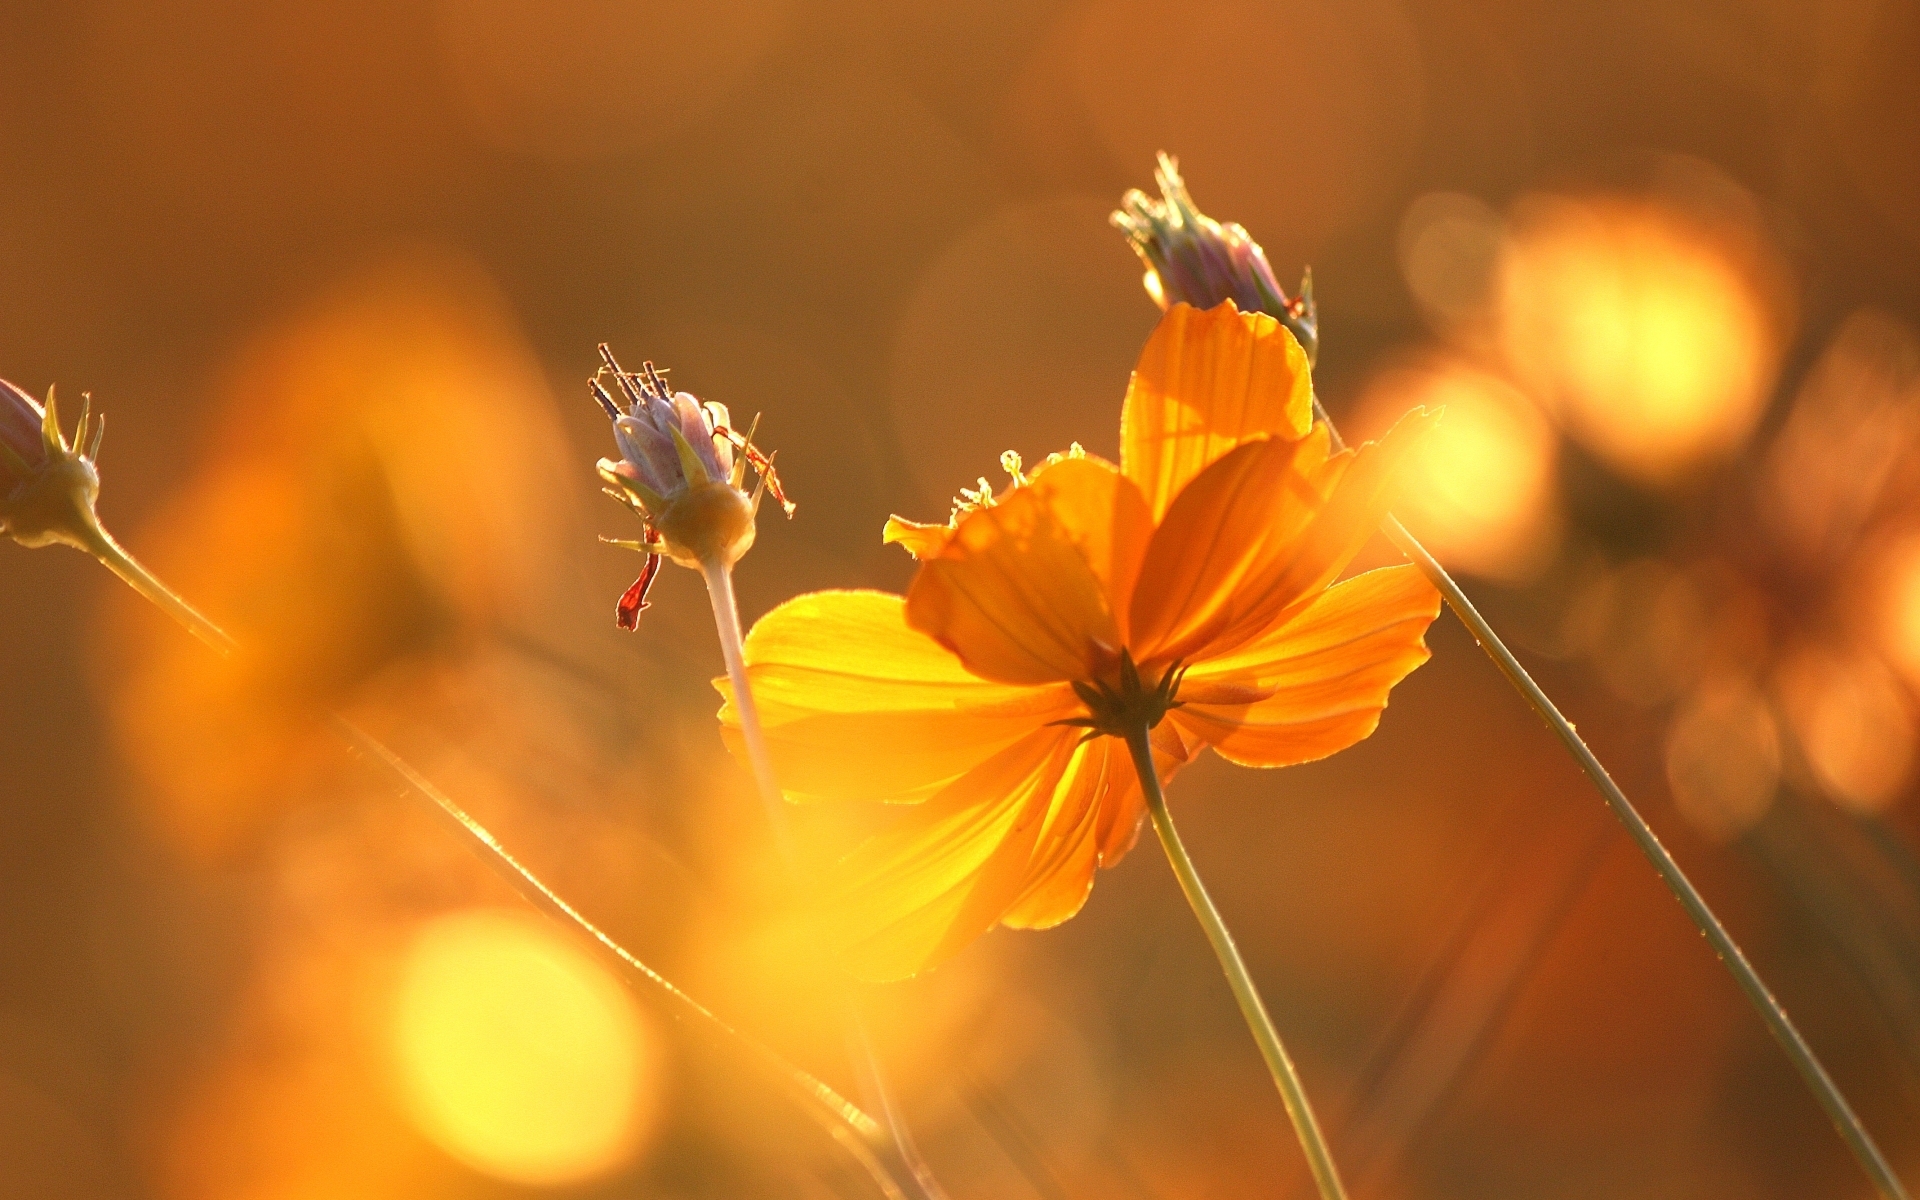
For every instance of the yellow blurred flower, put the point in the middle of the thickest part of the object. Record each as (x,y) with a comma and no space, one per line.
(1190,588)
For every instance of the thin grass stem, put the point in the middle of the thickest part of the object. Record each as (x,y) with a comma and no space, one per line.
(1292,1092)
(1781,1026)
(847,1124)
(1771,1012)
(857,1133)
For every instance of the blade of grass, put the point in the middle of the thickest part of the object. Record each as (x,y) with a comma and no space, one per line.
(1781,1026)
(858,1134)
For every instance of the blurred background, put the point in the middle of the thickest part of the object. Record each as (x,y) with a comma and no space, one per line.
(336,272)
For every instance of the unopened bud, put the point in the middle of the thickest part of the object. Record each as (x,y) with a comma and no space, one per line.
(683,469)
(48,485)
(1193,259)
(21,452)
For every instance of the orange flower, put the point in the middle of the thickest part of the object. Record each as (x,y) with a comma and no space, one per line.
(1190,588)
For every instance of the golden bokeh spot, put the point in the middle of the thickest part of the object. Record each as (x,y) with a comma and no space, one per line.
(1898,569)
(1479,489)
(1650,334)
(1854,725)
(519,1055)
(1723,758)
(1449,246)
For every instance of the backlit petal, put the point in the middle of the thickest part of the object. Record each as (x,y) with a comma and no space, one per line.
(1327,672)
(1206,382)
(1228,524)
(1067,851)
(857,705)
(1024,591)
(948,870)
(1249,590)
(921,541)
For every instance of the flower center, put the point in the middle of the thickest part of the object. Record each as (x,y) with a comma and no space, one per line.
(1128,706)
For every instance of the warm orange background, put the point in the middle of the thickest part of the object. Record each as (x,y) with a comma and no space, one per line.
(336,273)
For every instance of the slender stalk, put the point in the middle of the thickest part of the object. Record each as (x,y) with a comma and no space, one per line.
(115,558)
(1778,1023)
(866,1063)
(726,622)
(1292,1091)
(852,1129)
(845,1123)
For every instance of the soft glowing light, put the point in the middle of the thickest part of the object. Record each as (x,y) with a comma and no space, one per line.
(1899,571)
(1723,758)
(1854,725)
(1856,416)
(519,1055)
(1479,490)
(1647,333)
(1449,245)
(1646,626)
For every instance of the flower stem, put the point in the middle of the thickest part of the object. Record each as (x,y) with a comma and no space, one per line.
(1778,1023)
(853,1130)
(866,1063)
(726,622)
(1292,1092)
(115,558)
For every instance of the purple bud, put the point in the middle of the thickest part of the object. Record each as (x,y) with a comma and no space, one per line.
(20,419)
(1193,259)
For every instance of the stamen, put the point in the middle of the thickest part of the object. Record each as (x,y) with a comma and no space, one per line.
(1010,463)
(621,379)
(606,401)
(656,380)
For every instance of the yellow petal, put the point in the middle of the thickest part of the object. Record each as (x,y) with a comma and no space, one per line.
(1235,517)
(1307,523)
(1327,672)
(1206,382)
(857,705)
(921,541)
(949,869)
(1067,850)
(1024,591)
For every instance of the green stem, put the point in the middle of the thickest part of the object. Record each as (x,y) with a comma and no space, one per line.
(1778,1023)
(866,1063)
(1292,1092)
(853,1130)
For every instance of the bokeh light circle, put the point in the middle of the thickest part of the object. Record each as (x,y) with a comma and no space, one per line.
(1019,336)
(1647,332)
(1479,489)
(1723,758)
(518,1054)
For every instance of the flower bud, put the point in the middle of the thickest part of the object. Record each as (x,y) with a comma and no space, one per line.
(48,485)
(21,452)
(1192,258)
(683,470)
